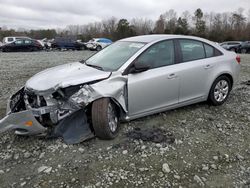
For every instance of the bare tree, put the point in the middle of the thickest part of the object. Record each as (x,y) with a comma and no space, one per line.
(160,25)
(109,27)
(142,26)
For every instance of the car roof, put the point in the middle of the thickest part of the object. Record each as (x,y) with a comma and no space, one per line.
(17,37)
(233,41)
(158,37)
(102,39)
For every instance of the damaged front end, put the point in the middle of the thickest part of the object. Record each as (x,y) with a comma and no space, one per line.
(61,113)
(32,114)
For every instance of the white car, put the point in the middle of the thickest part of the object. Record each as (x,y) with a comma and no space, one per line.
(98,43)
(7,40)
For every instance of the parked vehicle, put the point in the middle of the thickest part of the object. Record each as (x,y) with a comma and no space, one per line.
(67,43)
(245,47)
(22,45)
(98,43)
(231,45)
(132,78)
(7,40)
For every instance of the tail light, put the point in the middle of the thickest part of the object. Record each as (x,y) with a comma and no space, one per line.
(238,59)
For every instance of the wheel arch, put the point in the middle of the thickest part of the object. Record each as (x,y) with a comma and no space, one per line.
(227,74)
(119,106)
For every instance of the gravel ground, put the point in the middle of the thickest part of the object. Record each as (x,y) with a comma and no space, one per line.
(211,145)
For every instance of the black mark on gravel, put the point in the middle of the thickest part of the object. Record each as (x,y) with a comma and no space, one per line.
(246,82)
(156,135)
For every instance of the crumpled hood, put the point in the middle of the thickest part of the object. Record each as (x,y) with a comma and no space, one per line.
(63,76)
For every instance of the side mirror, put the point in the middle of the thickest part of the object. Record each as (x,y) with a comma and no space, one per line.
(139,67)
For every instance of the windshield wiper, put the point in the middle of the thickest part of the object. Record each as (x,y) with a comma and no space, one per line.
(94,66)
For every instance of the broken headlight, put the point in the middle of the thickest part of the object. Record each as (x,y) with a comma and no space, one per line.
(83,96)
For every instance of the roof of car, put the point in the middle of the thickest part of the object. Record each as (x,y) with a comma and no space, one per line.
(156,37)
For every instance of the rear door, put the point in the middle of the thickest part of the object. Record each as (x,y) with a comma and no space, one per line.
(18,46)
(194,69)
(157,87)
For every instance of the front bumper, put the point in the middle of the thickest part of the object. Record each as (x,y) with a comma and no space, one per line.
(24,123)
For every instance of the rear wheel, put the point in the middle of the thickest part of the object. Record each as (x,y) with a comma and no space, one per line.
(98,48)
(220,90)
(243,51)
(105,119)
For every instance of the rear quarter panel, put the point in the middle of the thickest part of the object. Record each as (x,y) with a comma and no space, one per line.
(224,64)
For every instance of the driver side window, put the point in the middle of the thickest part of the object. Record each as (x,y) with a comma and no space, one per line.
(158,55)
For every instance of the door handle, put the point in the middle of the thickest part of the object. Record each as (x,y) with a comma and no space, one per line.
(208,66)
(171,76)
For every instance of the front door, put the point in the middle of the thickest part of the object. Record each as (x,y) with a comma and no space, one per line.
(157,87)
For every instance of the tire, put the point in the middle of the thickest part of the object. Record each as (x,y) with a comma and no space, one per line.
(98,48)
(5,50)
(105,119)
(243,51)
(220,90)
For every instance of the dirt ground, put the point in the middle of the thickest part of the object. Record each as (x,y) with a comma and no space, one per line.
(211,145)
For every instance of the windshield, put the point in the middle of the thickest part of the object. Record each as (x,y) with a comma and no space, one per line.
(114,56)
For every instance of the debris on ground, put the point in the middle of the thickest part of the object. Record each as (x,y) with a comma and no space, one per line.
(155,135)
(246,82)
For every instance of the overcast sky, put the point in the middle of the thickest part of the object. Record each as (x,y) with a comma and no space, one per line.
(59,13)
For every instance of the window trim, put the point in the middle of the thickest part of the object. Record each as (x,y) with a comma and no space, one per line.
(203,44)
(176,58)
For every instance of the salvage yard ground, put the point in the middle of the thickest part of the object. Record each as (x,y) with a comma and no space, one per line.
(210,148)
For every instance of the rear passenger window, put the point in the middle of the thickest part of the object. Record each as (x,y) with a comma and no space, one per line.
(19,42)
(27,42)
(209,50)
(191,50)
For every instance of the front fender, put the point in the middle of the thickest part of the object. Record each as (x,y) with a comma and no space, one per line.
(114,88)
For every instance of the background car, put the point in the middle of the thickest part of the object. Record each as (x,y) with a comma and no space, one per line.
(231,45)
(67,43)
(98,43)
(245,47)
(7,40)
(22,45)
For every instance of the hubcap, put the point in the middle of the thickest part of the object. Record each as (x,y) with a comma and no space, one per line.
(221,90)
(113,120)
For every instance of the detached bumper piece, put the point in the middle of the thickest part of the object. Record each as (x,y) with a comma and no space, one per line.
(74,128)
(24,123)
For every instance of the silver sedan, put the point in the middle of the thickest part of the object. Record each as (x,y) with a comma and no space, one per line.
(132,78)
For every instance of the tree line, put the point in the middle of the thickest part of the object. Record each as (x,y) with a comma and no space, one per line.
(213,26)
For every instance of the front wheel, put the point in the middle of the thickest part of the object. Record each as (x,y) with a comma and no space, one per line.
(220,90)
(105,119)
